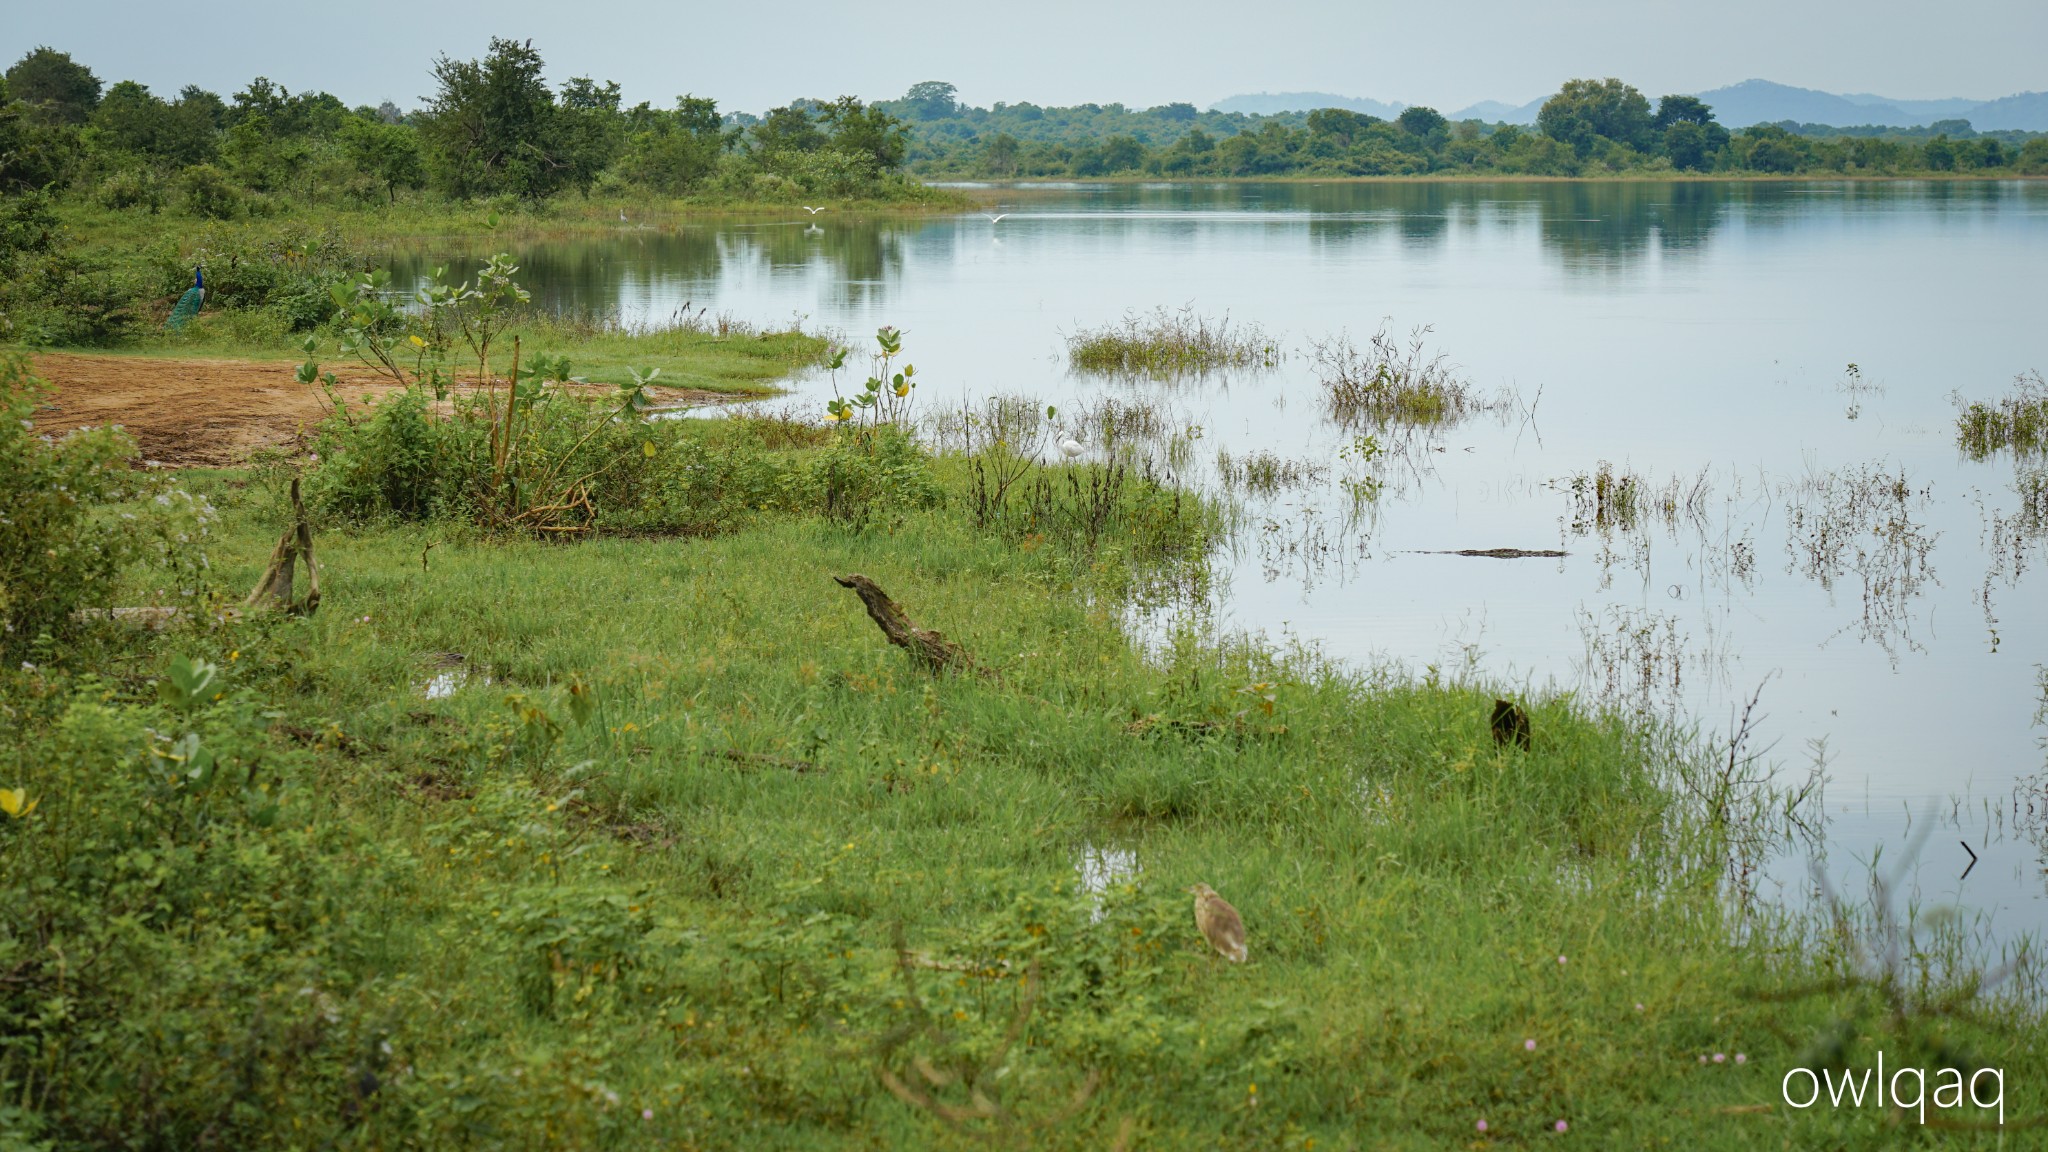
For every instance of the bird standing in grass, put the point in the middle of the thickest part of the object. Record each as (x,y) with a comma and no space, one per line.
(1219,922)
(1071,447)
(188,304)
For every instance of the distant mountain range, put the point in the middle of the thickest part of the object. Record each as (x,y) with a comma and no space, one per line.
(1737,106)
(1268,103)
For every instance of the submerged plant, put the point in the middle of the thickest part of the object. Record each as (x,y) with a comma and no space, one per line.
(2018,421)
(1387,381)
(1167,343)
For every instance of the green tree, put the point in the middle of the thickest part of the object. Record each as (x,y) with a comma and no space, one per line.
(131,119)
(33,153)
(1584,112)
(60,89)
(1681,110)
(1939,154)
(1689,134)
(787,129)
(387,153)
(1421,121)
(1769,148)
(673,152)
(1691,146)
(999,155)
(589,129)
(1339,124)
(490,127)
(932,100)
(862,130)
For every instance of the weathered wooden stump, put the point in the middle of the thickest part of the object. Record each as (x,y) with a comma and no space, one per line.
(1510,724)
(275,588)
(929,645)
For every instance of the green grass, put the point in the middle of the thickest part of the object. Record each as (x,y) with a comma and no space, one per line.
(655,852)
(1167,343)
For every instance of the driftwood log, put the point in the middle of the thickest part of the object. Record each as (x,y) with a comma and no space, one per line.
(275,588)
(930,646)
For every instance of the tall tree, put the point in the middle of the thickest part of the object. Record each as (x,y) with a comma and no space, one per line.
(1681,110)
(589,129)
(932,100)
(490,127)
(60,89)
(1421,121)
(1584,112)
(866,131)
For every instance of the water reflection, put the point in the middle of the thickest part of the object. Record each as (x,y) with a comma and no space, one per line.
(1592,230)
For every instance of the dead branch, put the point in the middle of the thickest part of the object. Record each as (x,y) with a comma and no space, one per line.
(930,646)
(275,588)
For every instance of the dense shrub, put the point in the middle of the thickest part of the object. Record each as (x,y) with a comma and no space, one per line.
(403,459)
(286,272)
(211,193)
(56,554)
(131,188)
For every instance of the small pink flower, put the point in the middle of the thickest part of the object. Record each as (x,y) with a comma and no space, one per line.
(1561,1126)
(1703,1057)
(1719,1058)
(1481,1125)
(647,1113)
(1639,1007)
(1529,1045)
(1560,959)
(1741,1059)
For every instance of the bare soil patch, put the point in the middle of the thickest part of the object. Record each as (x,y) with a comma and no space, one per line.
(211,413)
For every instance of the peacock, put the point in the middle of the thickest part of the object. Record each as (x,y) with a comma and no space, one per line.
(188,304)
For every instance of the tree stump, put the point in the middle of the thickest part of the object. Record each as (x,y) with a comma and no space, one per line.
(275,588)
(930,646)
(1510,725)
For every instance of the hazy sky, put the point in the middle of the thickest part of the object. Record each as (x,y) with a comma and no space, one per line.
(752,56)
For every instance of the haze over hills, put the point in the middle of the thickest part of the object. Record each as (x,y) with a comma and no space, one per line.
(1736,105)
(1268,103)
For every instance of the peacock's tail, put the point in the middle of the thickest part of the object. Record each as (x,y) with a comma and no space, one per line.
(187,308)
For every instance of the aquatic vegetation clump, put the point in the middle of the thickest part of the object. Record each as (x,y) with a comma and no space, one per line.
(1262,473)
(2018,421)
(1605,499)
(1167,343)
(1862,520)
(1387,381)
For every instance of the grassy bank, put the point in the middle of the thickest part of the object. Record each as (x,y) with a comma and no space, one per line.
(654,842)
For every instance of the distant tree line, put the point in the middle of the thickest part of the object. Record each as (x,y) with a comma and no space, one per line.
(492,129)
(1589,128)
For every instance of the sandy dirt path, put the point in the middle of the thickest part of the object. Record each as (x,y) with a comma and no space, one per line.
(212,413)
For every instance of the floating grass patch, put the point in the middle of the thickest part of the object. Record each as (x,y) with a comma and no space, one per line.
(1167,342)
(2017,421)
(1388,381)
(1609,498)
(1263,473)
(1864,521)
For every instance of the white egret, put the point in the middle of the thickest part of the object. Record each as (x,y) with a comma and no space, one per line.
(811,210)
(1071,447)
(622,217)
(997,219)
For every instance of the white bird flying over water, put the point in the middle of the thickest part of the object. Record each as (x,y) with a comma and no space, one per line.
(1071,447)
(995,219)
(811,210)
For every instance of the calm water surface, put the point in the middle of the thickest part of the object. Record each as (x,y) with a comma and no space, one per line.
(1680,332)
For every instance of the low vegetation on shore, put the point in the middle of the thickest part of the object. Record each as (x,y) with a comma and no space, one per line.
(586,806)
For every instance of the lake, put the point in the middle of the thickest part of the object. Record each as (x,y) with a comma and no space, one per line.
(1803,531)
